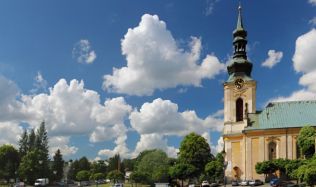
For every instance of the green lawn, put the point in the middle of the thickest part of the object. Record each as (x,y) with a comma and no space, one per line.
(125,185)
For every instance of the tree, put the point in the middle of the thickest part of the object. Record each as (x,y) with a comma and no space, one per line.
(98,167)
(9,161)
(23,144)
(155,165)
(115,163)
(83,175)
(41,144)
(115,176)
(291,167)
(181,171)
(30,168)
(265,167)
(214,169)
(58,165)
(194,150)
(98,176)
(307,171)
(73,170)
(84,164)
(31,140)
(138,177)
(306,141)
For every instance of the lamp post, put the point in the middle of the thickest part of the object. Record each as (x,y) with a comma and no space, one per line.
(55,177)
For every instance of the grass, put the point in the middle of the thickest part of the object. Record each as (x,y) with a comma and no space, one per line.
(125,185)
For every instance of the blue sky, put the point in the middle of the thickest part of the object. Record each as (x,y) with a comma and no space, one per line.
(120,76)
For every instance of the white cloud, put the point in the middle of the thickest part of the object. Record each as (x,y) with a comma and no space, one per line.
(72,109)
(40,83)
(121,148)
(210,6)
(274,58)
(312,21)
(159,119)
(10,133)
(219,147)
(299,95)
(83,52)
(304,60)
(154,141)
(61,143)
(163,117)
(313,2)
(154,61)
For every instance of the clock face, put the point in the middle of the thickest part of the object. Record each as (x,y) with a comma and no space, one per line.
(239,83)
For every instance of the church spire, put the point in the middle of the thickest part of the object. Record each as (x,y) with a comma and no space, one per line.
(239,64)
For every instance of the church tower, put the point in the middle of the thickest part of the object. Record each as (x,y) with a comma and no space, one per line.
(240,88)
(239,100)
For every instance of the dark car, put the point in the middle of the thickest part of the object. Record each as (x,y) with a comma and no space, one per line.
(275,182)
(235,183)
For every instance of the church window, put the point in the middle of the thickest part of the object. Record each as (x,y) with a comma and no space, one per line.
(239,109)
(272,150)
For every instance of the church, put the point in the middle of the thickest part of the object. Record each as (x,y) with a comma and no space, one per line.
(252,136)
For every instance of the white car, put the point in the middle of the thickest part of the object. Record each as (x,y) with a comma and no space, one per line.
(205,183)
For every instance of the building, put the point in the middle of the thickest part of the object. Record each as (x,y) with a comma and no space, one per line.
(252,136)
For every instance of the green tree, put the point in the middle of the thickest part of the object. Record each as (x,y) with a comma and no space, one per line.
(98,176)
(129,164)
(214,169)
(41,144)
(265,167)
(73,170)
(181,171)
(115,163)
(30,168)
(98,167)
(155,165)
(115,176)
(306,141)
(23,144)
(84,164)
(194,150)
(31,140)
(292,166)
(58,165)
(139,177)
(83,175)
(9,161)
(307,171)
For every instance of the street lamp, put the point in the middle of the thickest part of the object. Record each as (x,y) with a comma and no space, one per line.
(55,177)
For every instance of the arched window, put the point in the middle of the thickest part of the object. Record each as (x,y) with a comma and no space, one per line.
(239,109)
(272,150)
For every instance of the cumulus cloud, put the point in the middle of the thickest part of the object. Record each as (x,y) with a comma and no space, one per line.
(312,21)
(274,58)
(61,143)
(159,119)
(299,95)
(120,148)
(313,2)
(155,61)
(72,109)
(218,147)
(304,59)
(67,109)
(163,117)
(83,53)
(154,141)
(10,133)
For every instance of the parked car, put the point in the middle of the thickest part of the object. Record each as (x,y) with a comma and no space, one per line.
(244,183)
(213,184)
(235,183)
(255,182)
(205,184)
(275,182)
(118,185)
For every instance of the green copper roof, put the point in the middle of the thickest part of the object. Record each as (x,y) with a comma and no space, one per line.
(283,115)
(233,76)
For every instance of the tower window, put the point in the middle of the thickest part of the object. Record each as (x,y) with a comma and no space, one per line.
(239,109)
